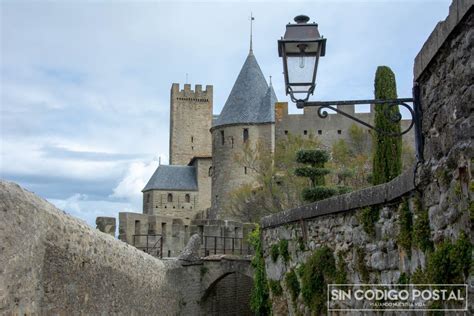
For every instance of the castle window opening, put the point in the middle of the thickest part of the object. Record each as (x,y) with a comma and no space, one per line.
(245,170)
(148,197)
(137,227)
(339,131)
(320,132)
(170,197)
(209,173)
(286,132)
(187,198)
(163,230)
(305,132)
(245,135)
(192,139)
(222,138)
(232,142)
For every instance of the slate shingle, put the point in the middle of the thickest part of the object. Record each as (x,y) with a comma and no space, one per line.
(181,178)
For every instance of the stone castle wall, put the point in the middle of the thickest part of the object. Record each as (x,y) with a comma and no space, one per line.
(328,130)
(204,180)
(438,197)
(176,232)
(228,173)
(190,122)
(155,202)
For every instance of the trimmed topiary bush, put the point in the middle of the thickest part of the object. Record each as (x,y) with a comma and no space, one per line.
(315,172)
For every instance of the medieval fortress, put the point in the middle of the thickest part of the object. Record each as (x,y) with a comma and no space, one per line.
(190,195)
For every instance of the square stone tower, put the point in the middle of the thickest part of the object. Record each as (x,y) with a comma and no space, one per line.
(190,123)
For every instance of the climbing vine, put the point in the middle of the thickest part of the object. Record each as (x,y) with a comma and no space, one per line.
(406,226)
(293,285)
(260,296)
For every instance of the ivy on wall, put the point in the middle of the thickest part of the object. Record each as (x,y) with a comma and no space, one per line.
(260,296)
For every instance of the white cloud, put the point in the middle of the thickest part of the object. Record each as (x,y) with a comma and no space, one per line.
(134,181)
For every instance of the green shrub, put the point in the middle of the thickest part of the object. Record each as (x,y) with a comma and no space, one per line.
(341,274)
(368,216)
(404,278)
(406,226)
(275,287)
(310,172)
(318,271)
(317,193)
(274,252)
(292,284)
(283,248)
(422,232)
(309,156)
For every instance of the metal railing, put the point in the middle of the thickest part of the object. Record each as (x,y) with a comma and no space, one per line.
(213,245)
(153,244)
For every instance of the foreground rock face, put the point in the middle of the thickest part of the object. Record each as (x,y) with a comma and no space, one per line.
(52,263)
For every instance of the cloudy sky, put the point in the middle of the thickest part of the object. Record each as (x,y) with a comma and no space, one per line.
(85,84)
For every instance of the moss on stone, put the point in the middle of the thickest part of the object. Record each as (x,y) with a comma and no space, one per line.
(368,216)
(405,219)
(422,232)
(449,263)
(301,244)
(275,287)
(274,252)
(203,271)
(361,267)
(293,285)
(283,249)
(318,272)
(404,278)
(341,273)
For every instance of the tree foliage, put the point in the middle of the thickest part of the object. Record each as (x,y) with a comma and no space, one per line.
(387,159)
(315,172)
(276,187)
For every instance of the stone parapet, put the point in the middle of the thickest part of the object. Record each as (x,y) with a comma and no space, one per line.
(342,203)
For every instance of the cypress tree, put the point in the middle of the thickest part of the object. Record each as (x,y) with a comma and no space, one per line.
(315,172)
(387,159)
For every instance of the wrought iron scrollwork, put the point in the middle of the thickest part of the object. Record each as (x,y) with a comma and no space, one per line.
(393,116)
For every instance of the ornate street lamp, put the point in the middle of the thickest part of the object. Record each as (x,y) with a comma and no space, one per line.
(300,49)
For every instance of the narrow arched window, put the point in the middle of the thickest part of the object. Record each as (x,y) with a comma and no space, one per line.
(209,173)
(222,138)
(170,197)
(245,135)
(187,198)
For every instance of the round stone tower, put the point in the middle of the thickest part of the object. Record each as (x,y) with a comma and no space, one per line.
(246,120)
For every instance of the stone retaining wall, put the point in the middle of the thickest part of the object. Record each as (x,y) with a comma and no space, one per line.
(393,233)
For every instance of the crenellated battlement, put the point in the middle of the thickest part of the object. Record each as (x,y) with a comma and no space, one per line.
(188,94)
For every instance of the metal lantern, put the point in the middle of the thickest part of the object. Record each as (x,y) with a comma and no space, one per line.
(300,49)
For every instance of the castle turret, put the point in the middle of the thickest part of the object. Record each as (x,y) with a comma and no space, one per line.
(190,122)
(247,119)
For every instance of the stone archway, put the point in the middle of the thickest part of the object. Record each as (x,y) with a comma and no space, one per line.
(228,295)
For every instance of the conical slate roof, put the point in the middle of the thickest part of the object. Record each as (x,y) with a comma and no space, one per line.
(251,99)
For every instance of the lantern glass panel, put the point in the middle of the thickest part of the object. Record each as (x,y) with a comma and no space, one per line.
(301,72)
